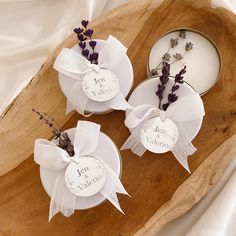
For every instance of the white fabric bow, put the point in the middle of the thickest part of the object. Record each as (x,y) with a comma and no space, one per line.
(74,65)
(185,109)
(48,155)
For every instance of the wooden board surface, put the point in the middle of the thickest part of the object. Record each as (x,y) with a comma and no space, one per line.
(150,180)
(193,188)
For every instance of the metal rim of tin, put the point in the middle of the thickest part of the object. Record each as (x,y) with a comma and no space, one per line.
(157,76)
(202,34)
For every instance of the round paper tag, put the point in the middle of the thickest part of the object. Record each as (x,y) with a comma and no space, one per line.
(159,136)
(100,86)
(86,177)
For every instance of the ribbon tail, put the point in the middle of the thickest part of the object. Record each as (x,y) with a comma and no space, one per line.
(77,100)
(62,200)
(183,148)
(133,143)
(119,103)
(112,186)
(112,197)
(135,146)
(181,154)
(69,107)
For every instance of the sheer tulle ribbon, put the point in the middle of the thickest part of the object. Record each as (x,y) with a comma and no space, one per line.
(48,155)
(185,109)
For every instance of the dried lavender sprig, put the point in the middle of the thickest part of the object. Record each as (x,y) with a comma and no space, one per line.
(172,97)
(83,34)
(188,46)
(177,57)
(163,79)
(64,141)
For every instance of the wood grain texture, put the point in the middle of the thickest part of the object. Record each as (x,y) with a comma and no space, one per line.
(151,181)
(193,188)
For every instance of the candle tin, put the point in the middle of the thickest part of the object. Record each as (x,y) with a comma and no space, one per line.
(145,93)
(124,73)
(203,68)
(107,151)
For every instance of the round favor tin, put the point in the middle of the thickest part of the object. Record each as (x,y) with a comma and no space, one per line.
(145,93)
(106,150)
(203,62)
(124,73)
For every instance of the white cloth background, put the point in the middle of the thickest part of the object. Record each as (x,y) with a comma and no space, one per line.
(30,30)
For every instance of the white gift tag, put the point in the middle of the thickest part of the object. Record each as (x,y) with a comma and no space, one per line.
(86,177)
(159,136)
(100,86)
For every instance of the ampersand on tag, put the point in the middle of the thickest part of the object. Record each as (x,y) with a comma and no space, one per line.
(159,135)
(85,177)
(100,86)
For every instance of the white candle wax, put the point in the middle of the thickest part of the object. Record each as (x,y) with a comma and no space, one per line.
(202,62)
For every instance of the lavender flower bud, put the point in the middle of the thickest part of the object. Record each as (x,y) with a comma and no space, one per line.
(165,106)
(166,57)
(188,46)
(95,56)
(92,44)
(88,33)
(178,57)
(84,23)
(182,34)
(82,45)
(174,88)
(173,42)
(154,72)
(85,52)
(172,97)
(78,30)
(91,58)
(81,37)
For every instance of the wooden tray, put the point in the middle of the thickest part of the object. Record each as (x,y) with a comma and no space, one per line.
(151,181)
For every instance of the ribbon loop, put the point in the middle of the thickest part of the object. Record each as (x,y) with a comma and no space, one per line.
(71,63)
(111,54)
(185,109)
(49,155)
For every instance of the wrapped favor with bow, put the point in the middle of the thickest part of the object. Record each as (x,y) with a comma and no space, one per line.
(160,131)
(94,83)
(83,175)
